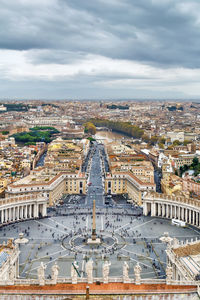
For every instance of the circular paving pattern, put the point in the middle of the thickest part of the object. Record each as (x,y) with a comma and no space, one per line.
(109,243)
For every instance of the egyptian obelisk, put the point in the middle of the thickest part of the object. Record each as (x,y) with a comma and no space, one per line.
(94,235)
(94,240)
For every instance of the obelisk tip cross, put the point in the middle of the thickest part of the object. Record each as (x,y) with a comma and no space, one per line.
(94,235)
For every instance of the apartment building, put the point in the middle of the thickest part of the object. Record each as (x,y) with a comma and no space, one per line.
(182,159)
(171,184)
(189,185)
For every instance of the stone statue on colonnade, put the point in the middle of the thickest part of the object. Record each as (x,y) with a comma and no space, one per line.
(41,274)
(54,273)
(169,274)
(74,272)
(105,271)
(89,271)
(125,272)
(137,272)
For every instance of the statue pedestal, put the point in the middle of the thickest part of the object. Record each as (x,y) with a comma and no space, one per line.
(90,241)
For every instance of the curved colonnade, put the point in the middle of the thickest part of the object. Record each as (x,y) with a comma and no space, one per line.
(164,206)
(18,208)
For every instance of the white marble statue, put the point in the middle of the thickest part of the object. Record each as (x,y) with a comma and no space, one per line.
(89,271)
(74,274)
(105,271)
(175,242)
(12,273)
(169,274)
(54,273)
(41,274)
(125,272)
(137,271)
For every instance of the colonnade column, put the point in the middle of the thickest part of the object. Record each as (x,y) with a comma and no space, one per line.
(163,210)
(144,209)
(183,214)
(171,212)
(196,218)
(175,215)
(153,209)
(25,211)
(186,215)
(2,216)
(190,216)
(159,209)
(30,211)
(9,214)
(44,210)
(5,215)
(178,212)
(35,211)
(193,217)
(167,210)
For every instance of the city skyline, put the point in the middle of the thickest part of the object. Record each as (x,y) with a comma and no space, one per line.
(120,49)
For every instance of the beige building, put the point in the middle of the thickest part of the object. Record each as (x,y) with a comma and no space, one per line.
(3,184)
(182,159)
(181,136)
(127,182)
(171,184)
(65,155)
(189,185)
(54,185)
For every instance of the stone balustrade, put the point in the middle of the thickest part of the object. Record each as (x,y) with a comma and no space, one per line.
(22,281)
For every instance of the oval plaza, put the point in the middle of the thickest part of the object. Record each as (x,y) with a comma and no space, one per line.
(131,241)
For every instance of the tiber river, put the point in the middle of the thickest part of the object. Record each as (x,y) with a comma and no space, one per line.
(109,135)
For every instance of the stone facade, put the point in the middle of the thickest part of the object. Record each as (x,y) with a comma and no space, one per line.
(181,208)
(18,208)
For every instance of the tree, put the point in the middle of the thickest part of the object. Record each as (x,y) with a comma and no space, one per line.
(186,142)
(5,132)
(153,140)
(195,161)
(176,143)
(163,140)
(181,171)
(118,126)
(90,128)
(161,146)
(145,138)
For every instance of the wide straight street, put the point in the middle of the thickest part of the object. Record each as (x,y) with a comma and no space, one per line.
(95,186)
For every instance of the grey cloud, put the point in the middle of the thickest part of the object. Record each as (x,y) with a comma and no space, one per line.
(155,32)
(54,56)
(37,89)
(146,31)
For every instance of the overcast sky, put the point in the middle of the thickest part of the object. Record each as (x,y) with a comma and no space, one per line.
(99,49)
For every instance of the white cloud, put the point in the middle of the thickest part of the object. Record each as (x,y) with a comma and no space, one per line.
(16,66)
